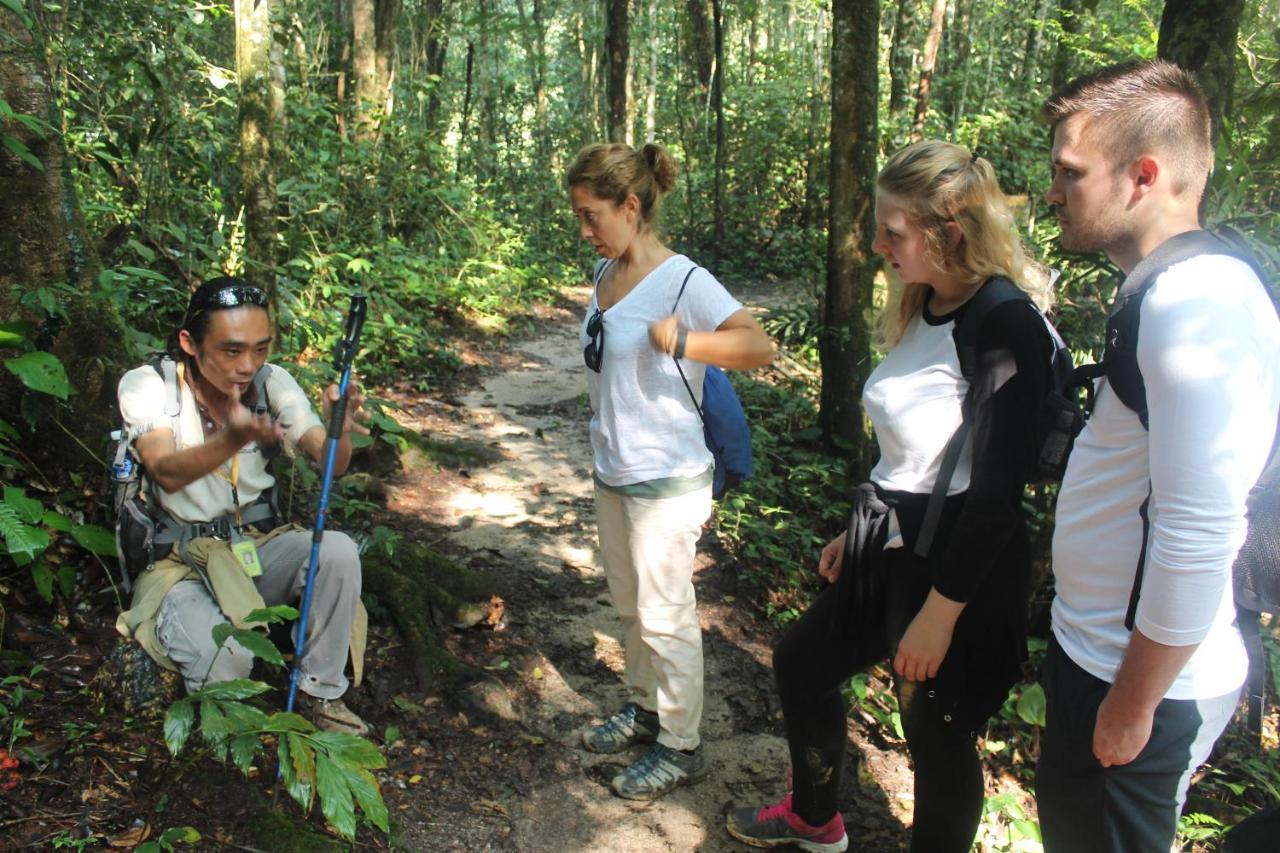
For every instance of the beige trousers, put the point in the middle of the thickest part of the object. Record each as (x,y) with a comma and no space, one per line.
(647,547)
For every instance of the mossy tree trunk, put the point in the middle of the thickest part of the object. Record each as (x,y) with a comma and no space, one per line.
(258,109)
(1200,36)
(844,346)
(43,244)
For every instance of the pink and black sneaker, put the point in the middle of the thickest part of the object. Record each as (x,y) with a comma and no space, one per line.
(776,825)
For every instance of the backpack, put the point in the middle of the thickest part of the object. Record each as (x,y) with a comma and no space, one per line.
(724,424)
(1060,418)
(144,532)
(1256,572)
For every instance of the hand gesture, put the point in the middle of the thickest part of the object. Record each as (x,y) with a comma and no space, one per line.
(663,334)
(832,556)
(244,426)
(355,414)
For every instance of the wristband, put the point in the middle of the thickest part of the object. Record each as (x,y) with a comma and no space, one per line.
(681,336)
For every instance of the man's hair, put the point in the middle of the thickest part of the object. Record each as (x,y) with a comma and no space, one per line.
(1141,107)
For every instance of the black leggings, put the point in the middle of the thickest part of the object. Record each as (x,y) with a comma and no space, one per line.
(814,660)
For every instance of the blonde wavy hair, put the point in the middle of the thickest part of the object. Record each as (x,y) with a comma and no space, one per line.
(940,182)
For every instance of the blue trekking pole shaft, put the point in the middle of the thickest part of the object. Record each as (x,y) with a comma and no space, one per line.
(344,354)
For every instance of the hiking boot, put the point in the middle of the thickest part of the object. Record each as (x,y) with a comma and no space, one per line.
(776,825)
(660,770)
(331,715)
(628,727)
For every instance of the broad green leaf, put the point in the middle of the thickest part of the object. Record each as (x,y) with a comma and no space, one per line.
(260,645)
(215,728)
(356,750)
(301,775)
(335,796)
(244,748)
(22,152)
(42,575)
(365,790)
(221,632)
(244,717)
(358,265)
(1031,705)
(272,615)
(28,509)
(14,334)
(7,431)
(180,835)
(94,538)
(58,522)
(66,580)
(21,541)
(141,272)
(14,6)
(178,721)
(287,721)
(236,688)
(42,372)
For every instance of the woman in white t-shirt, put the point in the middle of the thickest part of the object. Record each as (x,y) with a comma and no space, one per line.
(653,472)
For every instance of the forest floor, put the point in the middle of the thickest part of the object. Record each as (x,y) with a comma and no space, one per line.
(492,762)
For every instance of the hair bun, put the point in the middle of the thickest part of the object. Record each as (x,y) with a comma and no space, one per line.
(661,164)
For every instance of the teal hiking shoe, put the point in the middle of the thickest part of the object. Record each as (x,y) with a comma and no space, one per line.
(660,770)
(628,727)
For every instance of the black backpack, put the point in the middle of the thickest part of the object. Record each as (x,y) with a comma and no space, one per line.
(1059,420)
(144,532)
(1256,572)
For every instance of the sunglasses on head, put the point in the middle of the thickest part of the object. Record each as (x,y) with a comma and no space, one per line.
(231,296)
(593,353)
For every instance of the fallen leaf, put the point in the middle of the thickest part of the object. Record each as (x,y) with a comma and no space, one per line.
(131,837)
(537,673)
(415,779)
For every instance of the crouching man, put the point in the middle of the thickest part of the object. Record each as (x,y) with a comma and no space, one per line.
(204,423)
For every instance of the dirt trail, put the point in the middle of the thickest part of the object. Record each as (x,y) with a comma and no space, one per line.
(529,521)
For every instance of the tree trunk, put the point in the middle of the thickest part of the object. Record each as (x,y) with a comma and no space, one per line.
(931,42)
(1035,37)
(436,44)
(651,82)
(1069,12)
(466,102)
(617,52)
(844,346)
(364,68)
(901,56)
(43,244)
(1200,36)
(257,175)
(342,65)
(386,22)
(700,47)
(717,105)
(812,212)
(963,49)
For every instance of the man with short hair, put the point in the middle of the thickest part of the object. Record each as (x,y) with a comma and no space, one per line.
(1132,713)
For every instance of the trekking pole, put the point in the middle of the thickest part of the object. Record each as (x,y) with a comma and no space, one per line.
(344,352)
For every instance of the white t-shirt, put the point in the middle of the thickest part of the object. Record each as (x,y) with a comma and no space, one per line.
(141,394)
(1209,352)
(643,425)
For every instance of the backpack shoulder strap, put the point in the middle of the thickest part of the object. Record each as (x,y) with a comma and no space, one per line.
(1120,357)
(996,291)
(683,285)
(692,398)
(598,273)
(164,364)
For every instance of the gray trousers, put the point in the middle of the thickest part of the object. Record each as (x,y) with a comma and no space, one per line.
(184,624)
(1129,808)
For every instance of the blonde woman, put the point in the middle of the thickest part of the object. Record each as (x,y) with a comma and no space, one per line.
(653,472)
(951,622)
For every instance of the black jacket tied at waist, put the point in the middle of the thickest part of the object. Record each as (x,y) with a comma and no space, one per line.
(862,569)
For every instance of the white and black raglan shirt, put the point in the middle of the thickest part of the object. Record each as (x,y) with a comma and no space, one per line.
(1209,352)
(914,398)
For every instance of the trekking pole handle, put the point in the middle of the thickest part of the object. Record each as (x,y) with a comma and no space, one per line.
(344,353)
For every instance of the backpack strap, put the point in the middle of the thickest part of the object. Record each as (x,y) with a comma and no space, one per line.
(996,291)
(679,369)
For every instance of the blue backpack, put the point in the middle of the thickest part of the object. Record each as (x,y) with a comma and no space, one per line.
(724,425)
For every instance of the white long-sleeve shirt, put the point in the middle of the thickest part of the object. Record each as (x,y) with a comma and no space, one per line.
(1209,352)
